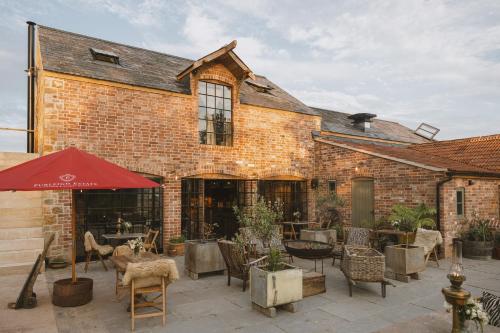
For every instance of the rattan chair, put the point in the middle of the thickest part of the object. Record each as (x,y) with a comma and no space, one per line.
(237,261)
(359,237)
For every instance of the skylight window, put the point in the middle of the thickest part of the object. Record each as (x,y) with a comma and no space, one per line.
(427,131)
(104,56)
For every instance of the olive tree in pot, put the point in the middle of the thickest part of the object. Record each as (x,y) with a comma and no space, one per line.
(203,255)
(328,226)
(478,239)
(406,259)
(275,284)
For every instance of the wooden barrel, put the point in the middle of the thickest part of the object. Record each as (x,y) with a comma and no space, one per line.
(69,294)
(477,250)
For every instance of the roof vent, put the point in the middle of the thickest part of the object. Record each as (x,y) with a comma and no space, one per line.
(427,131)
(362,120)
(104,56)
(260,87)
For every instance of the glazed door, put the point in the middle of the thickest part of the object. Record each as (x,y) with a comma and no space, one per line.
(362,202)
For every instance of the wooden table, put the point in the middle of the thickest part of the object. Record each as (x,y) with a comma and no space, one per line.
(293,233)
(121,262)
(126,236)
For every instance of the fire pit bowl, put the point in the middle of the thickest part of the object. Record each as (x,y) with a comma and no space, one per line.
(306,249)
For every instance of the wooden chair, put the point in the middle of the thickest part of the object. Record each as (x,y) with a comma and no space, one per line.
(429,240)
(146,278)
(237,261)
(91,247)
(121,250)
(359,237)
(150,242)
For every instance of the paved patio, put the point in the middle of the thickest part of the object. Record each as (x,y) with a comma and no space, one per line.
(208,305)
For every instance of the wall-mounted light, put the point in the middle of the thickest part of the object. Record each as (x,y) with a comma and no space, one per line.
(471,182)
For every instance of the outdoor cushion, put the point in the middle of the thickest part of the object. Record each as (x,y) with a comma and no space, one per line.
(90,244)
(491,304)
(149,273)
(427,239)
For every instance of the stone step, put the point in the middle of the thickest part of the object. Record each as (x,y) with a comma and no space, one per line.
(20,233)
(21,244)
(17,257)
(20,222)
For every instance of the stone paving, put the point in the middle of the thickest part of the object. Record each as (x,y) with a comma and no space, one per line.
(209,305)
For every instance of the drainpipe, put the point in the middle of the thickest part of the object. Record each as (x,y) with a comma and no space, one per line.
(438,204)
(30,145)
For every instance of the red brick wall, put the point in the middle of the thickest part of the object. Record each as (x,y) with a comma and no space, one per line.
(156,132)
(394,182)
(482,196)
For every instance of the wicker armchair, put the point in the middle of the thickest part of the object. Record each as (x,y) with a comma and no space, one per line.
(359,237)
(237,261)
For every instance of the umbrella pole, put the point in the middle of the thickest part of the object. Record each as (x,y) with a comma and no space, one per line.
(73,236)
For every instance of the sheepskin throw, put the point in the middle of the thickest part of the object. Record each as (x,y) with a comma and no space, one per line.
(149,273)
(90,244)
(122,250)
(427,239)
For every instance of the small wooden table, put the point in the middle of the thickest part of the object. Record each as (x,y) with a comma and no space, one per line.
(132,235)
(121,262)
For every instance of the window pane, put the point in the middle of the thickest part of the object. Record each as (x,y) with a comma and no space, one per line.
(227,104)
(202,100)
(219,104)
(218,90)
(202,112)
(227,92)
(459,196)
(210,89)
(202,125)
(202,87)
(227,114)
(210,113)
(203,137)
(211,101)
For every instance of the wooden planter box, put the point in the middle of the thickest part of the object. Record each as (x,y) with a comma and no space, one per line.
(404,261)
(313,283)
(271,289)
(202,257)
(319,235)
(477,249)
(175,249)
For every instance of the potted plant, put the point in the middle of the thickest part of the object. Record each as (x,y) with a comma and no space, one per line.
(328,224)
(203,255)
(275,284)
(405,259)
(478,239)
(496,250)
(175,246)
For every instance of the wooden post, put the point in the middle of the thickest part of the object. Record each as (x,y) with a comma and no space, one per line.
(73,236)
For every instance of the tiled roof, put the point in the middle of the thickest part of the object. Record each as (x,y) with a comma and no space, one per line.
(481,151)
(69,53)
(334,121)
(410,155)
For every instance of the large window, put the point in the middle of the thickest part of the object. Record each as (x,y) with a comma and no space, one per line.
(214,114)
(460,201)
(293,194)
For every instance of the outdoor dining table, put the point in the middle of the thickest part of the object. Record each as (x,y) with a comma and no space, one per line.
(295,228)
(121,238)
(121,262)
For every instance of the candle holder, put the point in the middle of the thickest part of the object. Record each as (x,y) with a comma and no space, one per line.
(455,294)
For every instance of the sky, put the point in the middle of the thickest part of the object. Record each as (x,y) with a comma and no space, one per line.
(408,61)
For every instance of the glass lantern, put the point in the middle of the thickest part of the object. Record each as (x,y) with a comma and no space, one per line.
(456,273)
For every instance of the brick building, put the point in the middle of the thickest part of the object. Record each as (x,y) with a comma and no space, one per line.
(216,135)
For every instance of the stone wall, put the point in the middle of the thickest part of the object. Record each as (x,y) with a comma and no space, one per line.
(481,196)
(156,132)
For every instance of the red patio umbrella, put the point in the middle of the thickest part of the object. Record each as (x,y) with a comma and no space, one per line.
(70,169)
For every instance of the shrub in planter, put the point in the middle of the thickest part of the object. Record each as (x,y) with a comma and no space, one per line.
(176,246)
(275,284)
(203,255)
(478,240)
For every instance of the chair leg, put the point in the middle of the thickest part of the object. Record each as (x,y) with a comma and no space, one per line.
(228,276)
(102,262)
(132,305)
(163,291)
(350,288)
(87,261)
(333,261)
(436,256)
(244,285)
(383,289)
(156,249)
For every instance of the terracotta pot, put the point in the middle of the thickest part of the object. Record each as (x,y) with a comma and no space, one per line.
(175,249)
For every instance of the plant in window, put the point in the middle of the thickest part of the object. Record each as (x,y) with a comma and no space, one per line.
(328,212)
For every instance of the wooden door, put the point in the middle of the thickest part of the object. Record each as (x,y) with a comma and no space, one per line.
(362,202)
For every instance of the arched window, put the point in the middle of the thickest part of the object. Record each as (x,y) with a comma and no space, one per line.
(215,114)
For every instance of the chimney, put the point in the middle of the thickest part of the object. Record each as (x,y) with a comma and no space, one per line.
(362,121)
(30,147)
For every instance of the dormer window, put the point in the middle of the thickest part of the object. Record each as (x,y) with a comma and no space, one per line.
(104,56)
(214,114)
